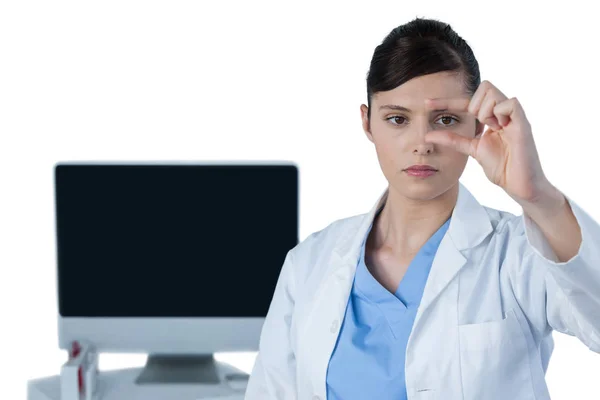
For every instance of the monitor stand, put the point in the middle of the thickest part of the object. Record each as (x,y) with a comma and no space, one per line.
(180,369)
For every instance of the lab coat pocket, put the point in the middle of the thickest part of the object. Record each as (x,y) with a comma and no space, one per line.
(484,335)
(494,360)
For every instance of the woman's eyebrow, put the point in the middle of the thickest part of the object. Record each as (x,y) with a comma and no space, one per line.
(400,108)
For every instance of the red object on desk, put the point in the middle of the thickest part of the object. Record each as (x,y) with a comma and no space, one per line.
(75,350)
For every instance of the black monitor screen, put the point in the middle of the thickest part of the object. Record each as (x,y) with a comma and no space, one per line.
(172,240)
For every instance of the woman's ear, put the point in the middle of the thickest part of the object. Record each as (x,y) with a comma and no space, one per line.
(366,123)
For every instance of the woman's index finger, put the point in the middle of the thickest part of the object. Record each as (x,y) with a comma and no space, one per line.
(456,104)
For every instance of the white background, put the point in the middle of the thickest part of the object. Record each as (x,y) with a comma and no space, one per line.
(249,80)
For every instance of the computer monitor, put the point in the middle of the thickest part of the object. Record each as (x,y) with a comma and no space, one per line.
(171,259)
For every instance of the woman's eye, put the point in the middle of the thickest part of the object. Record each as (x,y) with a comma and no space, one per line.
(448,117)
(395,118)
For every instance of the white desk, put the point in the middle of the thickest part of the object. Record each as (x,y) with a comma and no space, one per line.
(120,385)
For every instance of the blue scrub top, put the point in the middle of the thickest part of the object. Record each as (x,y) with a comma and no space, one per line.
(369,356)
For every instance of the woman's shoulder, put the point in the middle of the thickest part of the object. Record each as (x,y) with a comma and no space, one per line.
(312,254)
(326,237)
(505,222)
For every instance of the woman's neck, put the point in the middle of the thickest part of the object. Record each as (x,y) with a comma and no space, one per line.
(405,224)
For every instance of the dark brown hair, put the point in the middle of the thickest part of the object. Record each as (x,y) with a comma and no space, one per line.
(420,47)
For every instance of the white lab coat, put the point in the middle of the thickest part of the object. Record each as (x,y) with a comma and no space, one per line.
(483,328)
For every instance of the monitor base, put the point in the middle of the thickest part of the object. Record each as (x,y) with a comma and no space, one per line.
(179,369)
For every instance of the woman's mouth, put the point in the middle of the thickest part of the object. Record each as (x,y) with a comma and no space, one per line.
(421,173)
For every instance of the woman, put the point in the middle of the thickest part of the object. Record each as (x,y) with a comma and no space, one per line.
(431,295)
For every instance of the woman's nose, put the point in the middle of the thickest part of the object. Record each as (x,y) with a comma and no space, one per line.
(423,148)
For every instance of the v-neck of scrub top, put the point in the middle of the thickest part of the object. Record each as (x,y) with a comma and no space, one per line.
(369,356)
(408,295)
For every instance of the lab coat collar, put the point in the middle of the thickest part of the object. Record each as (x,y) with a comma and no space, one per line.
(469,225)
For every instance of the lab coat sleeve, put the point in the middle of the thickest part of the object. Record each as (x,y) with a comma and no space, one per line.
(562,296)
(273,376)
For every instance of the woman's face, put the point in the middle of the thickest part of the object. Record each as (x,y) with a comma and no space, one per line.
(399,135)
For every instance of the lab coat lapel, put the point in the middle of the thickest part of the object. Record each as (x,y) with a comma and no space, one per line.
(469,226)
(330,301)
